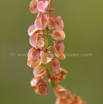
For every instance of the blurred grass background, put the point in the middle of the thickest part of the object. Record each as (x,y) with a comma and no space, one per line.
(83,21)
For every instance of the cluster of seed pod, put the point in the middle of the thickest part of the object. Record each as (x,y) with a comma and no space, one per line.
(42,58)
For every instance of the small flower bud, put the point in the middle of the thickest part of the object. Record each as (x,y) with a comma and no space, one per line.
(59,50)
(39,71)
(46,57)
(54,64)
(42,6)
(59,90)
(41,21)
(33,6)
(58,35)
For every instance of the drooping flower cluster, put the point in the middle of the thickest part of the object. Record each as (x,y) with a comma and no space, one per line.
(42,58)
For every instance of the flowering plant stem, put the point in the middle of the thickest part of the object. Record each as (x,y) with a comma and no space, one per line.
(38,55)
(46,46)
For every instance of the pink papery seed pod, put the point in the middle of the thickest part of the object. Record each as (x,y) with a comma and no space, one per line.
(59,90)
(50,22)
(33,6)
(46,57)
(32,63)
(33,54)
(59,50)
(35,39)
(63,71)
(39,85)
(59,76)
(42,6)
(39,71)
(33,57)
(63,100)
(34,82)
(59,22)
(32,29)
(54,64)
(41,21)
(42,89)
(41,44)
(58,35)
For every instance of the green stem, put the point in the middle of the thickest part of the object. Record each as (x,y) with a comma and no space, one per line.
(46,46)
(46,38)
(49,14)
(47,65)
(49,74)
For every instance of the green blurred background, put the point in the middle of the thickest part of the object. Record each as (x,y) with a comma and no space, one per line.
(83,21)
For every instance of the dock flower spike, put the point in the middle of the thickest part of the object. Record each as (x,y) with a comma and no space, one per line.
(41,57)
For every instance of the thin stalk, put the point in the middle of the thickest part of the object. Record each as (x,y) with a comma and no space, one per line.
(46,46)
(46,38)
